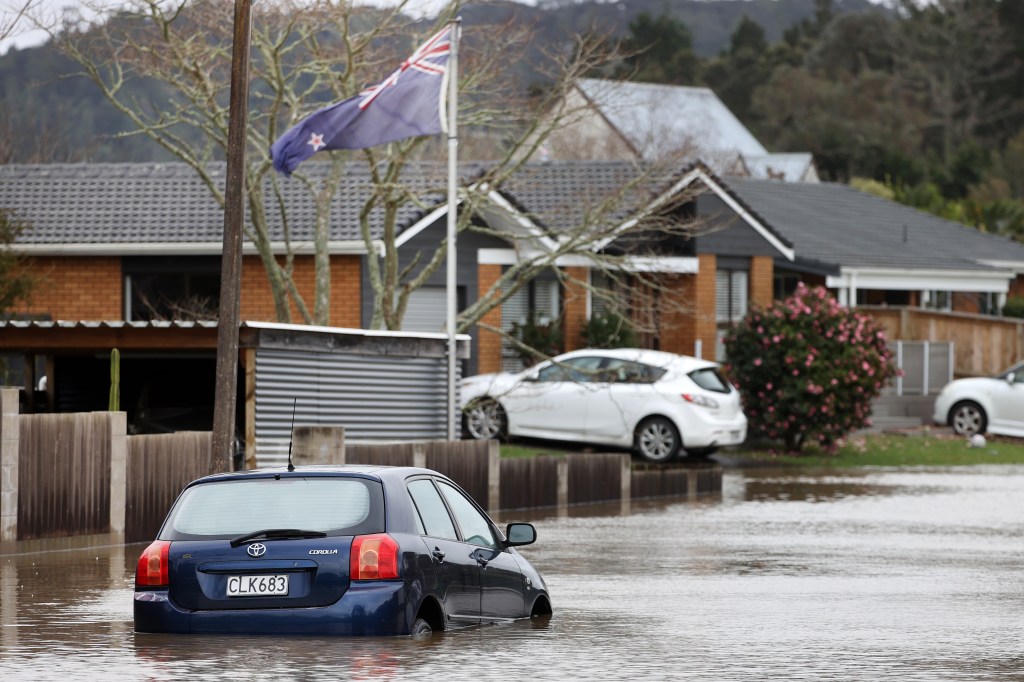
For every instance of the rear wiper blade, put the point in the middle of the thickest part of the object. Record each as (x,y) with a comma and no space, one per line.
(272,533)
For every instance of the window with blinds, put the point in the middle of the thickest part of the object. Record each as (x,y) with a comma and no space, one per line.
(730,295)
(731,292)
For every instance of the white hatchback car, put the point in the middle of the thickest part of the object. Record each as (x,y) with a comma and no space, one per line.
(984,404)
(659,404)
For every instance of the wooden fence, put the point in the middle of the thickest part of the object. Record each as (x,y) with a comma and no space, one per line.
(65,475)
(983,345)
(159,466)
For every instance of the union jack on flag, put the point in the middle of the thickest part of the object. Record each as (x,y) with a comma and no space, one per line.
(408,103)
(430,58)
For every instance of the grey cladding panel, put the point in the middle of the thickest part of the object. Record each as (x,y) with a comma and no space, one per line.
(729,234)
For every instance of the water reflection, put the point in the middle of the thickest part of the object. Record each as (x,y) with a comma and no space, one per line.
(800,574)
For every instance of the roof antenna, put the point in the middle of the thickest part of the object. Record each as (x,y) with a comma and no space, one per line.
(291,435)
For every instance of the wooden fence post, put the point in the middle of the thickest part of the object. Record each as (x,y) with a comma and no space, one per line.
(562,476)
(118,425)
(9,436)
(493,475)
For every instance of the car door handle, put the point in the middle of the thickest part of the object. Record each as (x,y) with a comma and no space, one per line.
(438,554)
(481,559)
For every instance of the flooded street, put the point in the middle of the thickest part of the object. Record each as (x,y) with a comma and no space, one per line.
(790,574)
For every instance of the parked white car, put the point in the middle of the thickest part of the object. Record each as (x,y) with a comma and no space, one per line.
(984,404)
(659,404)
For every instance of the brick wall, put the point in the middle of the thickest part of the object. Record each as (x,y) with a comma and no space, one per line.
(574,314)
(488,343)
(704,324)
(76,288)
(258,303)
(761,280)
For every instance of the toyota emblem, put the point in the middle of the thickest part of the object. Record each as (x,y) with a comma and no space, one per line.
(256,549)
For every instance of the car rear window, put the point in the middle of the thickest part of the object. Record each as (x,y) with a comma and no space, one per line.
(710,379)
(227,509)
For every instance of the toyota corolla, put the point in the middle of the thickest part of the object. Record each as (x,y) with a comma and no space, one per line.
(346,550)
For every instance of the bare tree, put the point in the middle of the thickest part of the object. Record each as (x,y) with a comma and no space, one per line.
(307,53)
(15,17)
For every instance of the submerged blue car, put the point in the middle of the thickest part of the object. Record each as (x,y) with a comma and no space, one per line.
(346,550)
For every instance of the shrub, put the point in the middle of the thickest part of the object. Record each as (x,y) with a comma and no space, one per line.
(808,368)
(609,330)
(535,340)
(1014,306)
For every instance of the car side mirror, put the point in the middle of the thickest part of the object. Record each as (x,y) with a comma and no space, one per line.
(520,534)
(1011,377)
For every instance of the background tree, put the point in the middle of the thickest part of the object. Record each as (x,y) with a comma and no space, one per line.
(16,282)
(741,69)
(306,53)
(660,50)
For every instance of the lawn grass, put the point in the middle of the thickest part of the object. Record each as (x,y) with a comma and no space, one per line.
(893,450)
(897,450)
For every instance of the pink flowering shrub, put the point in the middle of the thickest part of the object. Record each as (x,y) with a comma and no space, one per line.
(808,369)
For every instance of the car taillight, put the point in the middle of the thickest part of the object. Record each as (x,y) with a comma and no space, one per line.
(702,400)
(152,568)
(374,557)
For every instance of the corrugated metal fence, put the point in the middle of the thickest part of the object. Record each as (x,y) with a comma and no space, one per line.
(387,397)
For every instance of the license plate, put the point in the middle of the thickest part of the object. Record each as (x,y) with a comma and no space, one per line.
(257,585)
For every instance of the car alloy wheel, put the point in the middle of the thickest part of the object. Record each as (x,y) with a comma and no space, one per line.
(485,420)
(657,440)
(968,419)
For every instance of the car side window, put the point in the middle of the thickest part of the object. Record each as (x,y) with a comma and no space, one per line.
(433,514)
(627,372)
(476,530)
(575,369)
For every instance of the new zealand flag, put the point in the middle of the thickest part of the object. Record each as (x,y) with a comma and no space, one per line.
(410,102)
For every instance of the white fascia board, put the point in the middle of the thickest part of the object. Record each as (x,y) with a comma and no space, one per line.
(683,183)
(996,281)
(422,224)
(522,221)
(369,333)
(683,265)
(767,234)
(1015,265)
(335,248)
(680,265)
(666,196)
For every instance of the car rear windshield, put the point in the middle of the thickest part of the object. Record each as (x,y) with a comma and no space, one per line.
(710,379)
(227,509)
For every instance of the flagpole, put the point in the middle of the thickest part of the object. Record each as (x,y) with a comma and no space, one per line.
(453,149)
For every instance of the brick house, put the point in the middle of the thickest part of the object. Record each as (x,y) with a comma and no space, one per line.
(110,239)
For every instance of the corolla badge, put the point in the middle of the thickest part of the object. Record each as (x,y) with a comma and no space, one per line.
(256,549)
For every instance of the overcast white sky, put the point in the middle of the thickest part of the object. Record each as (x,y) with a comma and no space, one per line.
(25,35)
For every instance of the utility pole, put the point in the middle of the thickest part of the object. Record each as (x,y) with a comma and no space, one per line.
(226,391)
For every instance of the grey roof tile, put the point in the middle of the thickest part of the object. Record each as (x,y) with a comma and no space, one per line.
(838,224)
(167,202)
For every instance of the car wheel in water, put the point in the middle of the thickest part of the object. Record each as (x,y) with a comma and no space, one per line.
(421,628)
(968,418)
(656,439)
(484,419)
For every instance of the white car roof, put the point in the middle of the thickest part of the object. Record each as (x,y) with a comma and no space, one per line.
(656,358)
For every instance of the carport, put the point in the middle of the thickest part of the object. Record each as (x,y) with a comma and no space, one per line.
(377,385)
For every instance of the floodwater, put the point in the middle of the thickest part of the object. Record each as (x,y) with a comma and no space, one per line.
(874,574)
